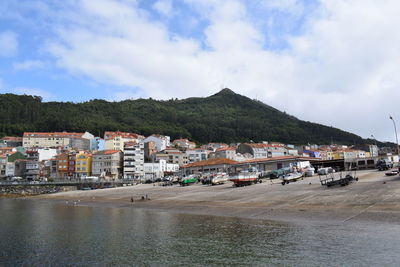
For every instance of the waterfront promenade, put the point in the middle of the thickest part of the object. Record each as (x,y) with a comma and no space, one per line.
(375,197)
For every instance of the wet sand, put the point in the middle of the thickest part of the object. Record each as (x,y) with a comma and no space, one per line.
(375,198)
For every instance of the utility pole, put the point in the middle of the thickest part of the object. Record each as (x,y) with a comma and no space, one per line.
(395,132)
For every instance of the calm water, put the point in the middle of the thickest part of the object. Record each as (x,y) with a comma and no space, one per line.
(49,234)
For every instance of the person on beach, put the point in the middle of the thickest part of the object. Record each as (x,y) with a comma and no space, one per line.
(131,199)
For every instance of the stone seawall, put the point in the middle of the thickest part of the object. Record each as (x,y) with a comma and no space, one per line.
(18,190)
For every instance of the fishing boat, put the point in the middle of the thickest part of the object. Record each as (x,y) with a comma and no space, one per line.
(245,178)
(392,172)
(191,179)
(291,177)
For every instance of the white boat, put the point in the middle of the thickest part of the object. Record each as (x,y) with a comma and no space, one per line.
(291,177)
(245,178)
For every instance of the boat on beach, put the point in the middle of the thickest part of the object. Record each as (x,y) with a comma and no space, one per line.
(292,177)
(220,178)
(245,178)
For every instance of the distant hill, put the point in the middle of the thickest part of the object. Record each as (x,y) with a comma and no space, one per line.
(223,117)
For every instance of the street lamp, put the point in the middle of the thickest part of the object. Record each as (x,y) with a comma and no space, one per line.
(377,152)
(373,137)
(395,132)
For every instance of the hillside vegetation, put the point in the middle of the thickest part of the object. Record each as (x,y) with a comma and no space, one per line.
(223,117)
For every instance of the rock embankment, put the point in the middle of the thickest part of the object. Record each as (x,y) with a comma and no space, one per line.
(18,190)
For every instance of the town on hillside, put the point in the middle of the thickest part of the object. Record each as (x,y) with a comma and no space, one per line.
(48,156)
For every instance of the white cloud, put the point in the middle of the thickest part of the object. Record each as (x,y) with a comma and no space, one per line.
(8,44)
(164,7)
(341,71)
(29,65)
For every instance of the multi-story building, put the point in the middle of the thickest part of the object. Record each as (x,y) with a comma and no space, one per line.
(10,167)
(134,160)
(161,141)
(214,146)
(97,144)
(62,165)
(225,152)
(55,139)
(262,150)
(195,155)
(3,166)
(10,141)
(116,140)
(149,149)
(171,155)
(80,144)
(338,154)
(107,164)
(158,169)
(32,165)
(20,167)
(83,164)
(184,143)
(46,153)
(71,164)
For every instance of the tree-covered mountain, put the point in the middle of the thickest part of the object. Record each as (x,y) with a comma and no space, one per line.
(223,117)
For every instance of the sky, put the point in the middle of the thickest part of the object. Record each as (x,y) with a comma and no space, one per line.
(334,62)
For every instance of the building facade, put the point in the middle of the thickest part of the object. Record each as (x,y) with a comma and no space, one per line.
(107,164)
(52,139)
(134,160)
(116,140)
(83,164)
(161,141)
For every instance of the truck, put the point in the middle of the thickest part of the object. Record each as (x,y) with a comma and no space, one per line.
(384,164)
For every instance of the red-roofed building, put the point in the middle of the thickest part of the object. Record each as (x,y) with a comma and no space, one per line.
(116,140)
(161,141)
(57,139)
(224,152)
(107,164)
(184,143)
(11,141)
(171,155)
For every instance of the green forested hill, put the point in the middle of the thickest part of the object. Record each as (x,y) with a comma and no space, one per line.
(223,117)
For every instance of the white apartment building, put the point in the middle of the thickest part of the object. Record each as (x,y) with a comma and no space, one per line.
(134,160)
(116,140)
(194,155)
(156,170)
(161,141)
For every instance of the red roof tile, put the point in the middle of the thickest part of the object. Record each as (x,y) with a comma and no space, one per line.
(111,135)
(106,152)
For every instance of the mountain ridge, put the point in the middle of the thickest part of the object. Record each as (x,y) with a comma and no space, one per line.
(221,117)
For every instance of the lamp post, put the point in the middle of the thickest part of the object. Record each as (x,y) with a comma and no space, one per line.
(373,137)
(395,132)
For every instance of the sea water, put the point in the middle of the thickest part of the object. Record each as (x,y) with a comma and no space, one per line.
(37,233)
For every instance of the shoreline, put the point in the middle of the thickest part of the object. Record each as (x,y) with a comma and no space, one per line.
(374,198)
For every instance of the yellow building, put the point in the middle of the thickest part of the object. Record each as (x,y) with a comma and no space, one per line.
(83,165)
(337,155)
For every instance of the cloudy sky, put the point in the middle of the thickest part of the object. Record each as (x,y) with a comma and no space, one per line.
(335,62)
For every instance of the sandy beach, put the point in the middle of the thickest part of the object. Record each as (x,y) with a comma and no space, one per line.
(375,197)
